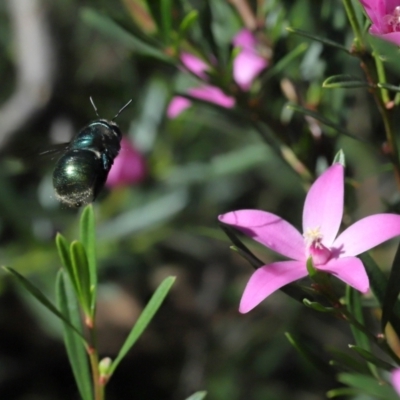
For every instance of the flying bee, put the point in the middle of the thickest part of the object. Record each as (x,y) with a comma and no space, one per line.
(81,172)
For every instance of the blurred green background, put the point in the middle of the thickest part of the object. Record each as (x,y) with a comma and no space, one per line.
(53,56)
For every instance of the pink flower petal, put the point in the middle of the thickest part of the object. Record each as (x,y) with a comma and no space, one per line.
(367,233)
(323,207)
(348,269)
(395,378)
(212,94)
(375,9)
(268,279)
(246,66)
(177,105)
(194,64)
(268,229)
(129,166)
(245,39)
(393,37)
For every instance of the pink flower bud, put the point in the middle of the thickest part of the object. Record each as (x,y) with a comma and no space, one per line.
(129,166)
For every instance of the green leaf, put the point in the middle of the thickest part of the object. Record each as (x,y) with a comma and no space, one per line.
(187,22)
(41,298)
(349,362)
(63,252)
(317,38)
(80,267)
(166,19)
(323,120)
(76,351)
(369,386)
(342,392)
(353,302)
(317,306)
(145,317)
(388,86)
(371,358)
(197,396)
(340,158)
(113,30)
(309,355)
(241,248)
(281,65)
(344,82)
(392,291)
(88,239)
(378,283)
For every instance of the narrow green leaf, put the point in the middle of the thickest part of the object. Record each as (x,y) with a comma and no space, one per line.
(145,317)
(343,392)
(344,82)
(281,65)
(187,22)
(323,120)
(166,19)
(317,306)
(353,302)
(88,239)
(80,267)
(76,351)
(197,396)
(318,39)
(309,355)
(41,298)
(388,86)
(63,252)
(340,158)
(111,29)
(241,248)
(349,362)
(371,358)
(378,283)
(368,385)
(392,290)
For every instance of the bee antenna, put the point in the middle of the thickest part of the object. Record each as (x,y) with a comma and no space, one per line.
(94,106)
(122,109)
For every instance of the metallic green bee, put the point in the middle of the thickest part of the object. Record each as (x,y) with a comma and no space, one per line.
(81,172)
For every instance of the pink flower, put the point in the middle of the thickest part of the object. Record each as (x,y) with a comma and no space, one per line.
(248,63)
(395,378)
(385,17)
(129,166)
(246,66)
(322,216)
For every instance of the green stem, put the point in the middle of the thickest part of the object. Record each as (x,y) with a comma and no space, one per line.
(369,67)
(381,76)
(98,387)
(351,14)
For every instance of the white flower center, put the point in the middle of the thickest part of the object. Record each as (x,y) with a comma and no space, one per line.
(392,21)
(313,236)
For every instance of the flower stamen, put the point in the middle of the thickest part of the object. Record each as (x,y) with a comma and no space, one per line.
(392,21)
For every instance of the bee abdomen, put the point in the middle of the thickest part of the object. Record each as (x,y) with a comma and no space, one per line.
(78,177)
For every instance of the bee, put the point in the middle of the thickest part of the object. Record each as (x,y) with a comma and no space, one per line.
(81,171)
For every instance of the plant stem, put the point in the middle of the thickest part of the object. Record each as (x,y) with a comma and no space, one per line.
(351,14)
(94,361)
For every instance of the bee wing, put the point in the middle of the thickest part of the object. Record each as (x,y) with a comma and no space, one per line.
(54,150)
